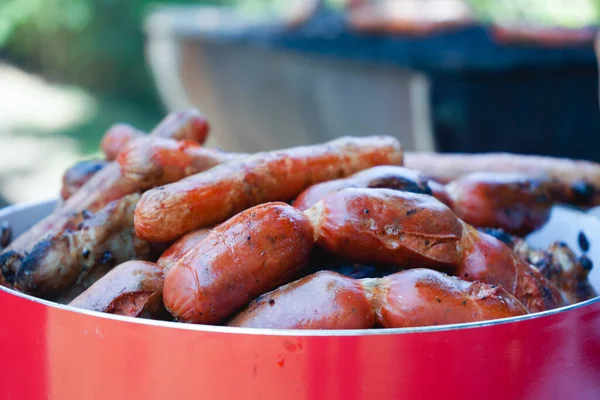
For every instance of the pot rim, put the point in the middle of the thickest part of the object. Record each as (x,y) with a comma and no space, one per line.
(278,332)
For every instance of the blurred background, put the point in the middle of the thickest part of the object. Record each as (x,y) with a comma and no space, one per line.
(443,75)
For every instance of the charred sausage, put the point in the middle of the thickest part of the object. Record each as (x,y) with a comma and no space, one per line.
(206,199)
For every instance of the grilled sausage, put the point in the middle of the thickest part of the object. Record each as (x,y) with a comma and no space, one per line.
(152,161)
(206,199)
(248,255)
(324,300)
(183,125)
(76,176)
(386,176)
(412,230)
(582,176)
(387,226)
(105,186)
(133,289)
(79,258)
(180,247)
(412,298)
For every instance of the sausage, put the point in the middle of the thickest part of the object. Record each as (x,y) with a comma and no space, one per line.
(582,176)
(387,226)
(515,203)
(324,300)
(183,125)
(155,161)
(115,138)
(206,199)
(76,176)
(413,230)
(132,289)
(248,255)
(180,247)
(423,297)
(79,258)
(412,298)
(487,259)
(105,186)
(385,176)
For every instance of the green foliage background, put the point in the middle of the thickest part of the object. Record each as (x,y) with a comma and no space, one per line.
(99,44)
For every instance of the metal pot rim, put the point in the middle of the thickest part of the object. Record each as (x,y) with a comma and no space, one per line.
(281,332)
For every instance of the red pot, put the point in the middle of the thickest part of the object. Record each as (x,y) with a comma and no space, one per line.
(56,352)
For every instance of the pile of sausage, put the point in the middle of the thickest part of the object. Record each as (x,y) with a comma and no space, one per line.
(349,234)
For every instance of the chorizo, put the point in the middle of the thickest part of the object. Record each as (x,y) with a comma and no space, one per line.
(412,230)
(182,125)
(385,176)
(180,247)
(582,176)
(132,289)
(324,300)
(76,176)
(248,255)
(412,298)
(206,199)
(387,226)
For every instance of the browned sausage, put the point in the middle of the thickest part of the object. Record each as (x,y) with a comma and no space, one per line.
(516,203)
(183,125)
(154,161)
(206,199)
(76,176)
(105,186)
(422,297)
(248,255)
(413,230)
(325,300)
(179,248)
(412,298)
(489,260)
(384,176)
(387,226)
(583,176)
(133,289)
(116,137)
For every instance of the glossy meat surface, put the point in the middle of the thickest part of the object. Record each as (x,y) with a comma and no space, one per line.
(203,200)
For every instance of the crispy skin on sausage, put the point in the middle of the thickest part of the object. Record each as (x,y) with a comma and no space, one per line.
(203,200)
(248,255)
(78,258)
(422,297)
(324,300)
(115,138)
(582,176)
(412,298)
(412,230)
(180,247)
(384,176)
(183,125)
(77,176)
(515,203)
(387,226)
(489,260)
(152,161)
(132,289)
(105,186)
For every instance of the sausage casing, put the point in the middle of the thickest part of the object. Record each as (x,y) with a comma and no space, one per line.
(179,248)
(133,289)
(412,298)
(423,297)
(324,300)
(206,199)
(387,226)
(248,255)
